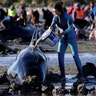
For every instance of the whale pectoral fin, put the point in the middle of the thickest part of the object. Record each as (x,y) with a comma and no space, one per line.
(39,59)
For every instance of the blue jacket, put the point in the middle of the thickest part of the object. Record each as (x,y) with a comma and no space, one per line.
(66,23)
(93,13)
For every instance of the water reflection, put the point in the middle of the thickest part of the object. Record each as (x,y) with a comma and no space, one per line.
(53,59)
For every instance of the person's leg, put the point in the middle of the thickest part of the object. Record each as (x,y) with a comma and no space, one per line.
(61,51)
(74,50)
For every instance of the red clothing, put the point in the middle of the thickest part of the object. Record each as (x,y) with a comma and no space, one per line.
(70,11)
(32,19)
(79,14)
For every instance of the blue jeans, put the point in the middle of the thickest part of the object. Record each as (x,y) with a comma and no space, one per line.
(63,43)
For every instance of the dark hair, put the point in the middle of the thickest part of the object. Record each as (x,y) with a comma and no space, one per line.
(58,6)
(61,2)
(22,6)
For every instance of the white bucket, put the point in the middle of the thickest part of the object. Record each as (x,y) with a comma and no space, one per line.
(50,37)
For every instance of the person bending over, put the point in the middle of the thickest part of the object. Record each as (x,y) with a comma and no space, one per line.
(67,38)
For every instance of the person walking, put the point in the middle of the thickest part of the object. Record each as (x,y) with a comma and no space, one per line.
(67,38)
(32,18)
(22,18)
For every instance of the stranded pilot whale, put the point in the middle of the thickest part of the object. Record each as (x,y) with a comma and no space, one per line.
(30,61)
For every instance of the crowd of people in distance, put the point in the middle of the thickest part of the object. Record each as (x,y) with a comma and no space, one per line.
(79,13)
(83,18)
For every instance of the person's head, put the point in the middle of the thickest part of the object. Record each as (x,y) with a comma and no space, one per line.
(22,8)
(91,4)
(63,6)
(76,6)
(57,9)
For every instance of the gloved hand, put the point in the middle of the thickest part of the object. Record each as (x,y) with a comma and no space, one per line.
(50,27)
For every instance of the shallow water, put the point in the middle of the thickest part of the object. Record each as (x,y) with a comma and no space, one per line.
(7,60)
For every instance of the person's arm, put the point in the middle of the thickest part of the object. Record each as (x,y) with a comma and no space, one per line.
(54,21)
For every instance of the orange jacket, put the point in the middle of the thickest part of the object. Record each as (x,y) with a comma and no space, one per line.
(79,14)
(32,18)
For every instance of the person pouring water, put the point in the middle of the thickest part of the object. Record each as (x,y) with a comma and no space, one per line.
(67,37)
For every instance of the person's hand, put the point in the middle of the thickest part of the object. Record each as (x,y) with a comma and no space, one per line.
(50,27)
(60,34)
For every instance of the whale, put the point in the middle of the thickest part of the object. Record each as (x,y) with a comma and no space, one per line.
(10,30)
(30,61)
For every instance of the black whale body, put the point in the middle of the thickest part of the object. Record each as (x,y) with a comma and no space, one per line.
(29,63)
(15,32)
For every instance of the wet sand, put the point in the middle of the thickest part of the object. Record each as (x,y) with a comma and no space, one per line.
(83,46)
(55,69)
